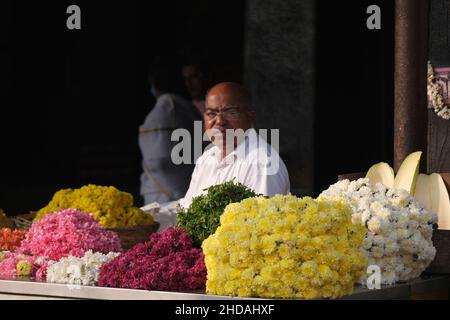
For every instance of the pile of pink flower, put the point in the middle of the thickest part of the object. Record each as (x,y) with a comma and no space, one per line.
(167,262)
(68,232)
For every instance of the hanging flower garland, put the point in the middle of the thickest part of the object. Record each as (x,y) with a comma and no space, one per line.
(435,97)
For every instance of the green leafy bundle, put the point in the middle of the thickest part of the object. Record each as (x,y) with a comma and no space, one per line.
(202,218)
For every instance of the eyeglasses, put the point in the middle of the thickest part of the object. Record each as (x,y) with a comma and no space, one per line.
(229,114)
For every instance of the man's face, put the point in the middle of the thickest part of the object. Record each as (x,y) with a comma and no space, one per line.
(225,111)
(194,81)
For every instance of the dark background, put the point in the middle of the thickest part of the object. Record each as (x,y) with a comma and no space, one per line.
(71,100)
(354,90)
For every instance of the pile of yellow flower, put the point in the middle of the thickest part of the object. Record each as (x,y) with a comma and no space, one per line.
(111,207)
(285,247)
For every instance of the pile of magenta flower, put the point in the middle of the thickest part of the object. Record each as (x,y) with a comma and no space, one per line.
(167,262)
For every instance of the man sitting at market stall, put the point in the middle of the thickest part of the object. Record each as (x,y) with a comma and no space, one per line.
(237,151)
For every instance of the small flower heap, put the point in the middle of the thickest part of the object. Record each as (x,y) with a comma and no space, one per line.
(16,264)
(399,228)
(285,247)
(167,262)
(9,261)
(10,239)
(68,232)
(79,271)
(111,207)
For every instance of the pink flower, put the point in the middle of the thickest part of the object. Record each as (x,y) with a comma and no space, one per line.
(41,266)
(167,262)
(8,267)
(68,232)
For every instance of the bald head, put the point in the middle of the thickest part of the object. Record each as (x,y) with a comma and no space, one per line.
(235,94)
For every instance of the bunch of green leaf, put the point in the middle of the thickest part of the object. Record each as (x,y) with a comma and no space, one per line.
(202,218)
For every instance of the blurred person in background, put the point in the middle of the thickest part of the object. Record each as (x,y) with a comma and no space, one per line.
(162,180)
(197,79)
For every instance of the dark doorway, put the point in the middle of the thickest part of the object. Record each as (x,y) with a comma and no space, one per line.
(74,98)
(354,89)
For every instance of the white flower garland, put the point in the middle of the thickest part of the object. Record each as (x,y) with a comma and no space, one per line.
(435,96)
(399,228)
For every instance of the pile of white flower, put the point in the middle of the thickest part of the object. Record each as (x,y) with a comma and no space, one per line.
(79,271)
(399,228)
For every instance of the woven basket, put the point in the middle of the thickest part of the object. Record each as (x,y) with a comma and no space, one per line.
(130,236)
(24,221)
(5,221)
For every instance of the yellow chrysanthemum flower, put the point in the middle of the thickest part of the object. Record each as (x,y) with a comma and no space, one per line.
(111,207)
(285,247)
(23,268)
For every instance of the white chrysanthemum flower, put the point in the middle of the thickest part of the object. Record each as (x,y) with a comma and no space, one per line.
(376,206)
(377,252)
(403,220)
(375,225)
(365,216)
(402,233)
(399,228)
(392,236)
(356,218)
(379,240)
(392,247)
(388,277)
(428,253)
(384,213)
(78,271)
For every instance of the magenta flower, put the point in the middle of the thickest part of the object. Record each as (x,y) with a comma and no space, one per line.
(167,262)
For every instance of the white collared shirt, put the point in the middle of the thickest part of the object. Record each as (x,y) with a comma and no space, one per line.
(253,163)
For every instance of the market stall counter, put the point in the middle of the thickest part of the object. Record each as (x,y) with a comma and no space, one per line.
(425,287)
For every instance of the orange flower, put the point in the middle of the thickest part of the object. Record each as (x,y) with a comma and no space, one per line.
(10,239)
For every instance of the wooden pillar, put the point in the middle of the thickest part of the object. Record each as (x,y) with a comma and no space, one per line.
(411,44)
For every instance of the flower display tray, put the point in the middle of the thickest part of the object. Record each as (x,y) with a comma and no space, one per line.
(425,287)
(441,238)
(24,221)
